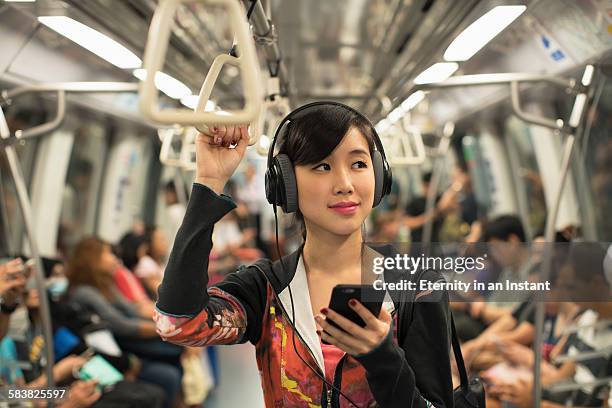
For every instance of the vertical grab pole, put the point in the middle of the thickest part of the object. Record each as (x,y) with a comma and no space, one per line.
(26,210)
(443,146)
(549,238)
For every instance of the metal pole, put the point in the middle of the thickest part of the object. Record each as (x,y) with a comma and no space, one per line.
(549,238)
(26,211)
(433,185)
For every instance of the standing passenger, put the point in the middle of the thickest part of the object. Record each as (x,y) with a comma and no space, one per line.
(332,156)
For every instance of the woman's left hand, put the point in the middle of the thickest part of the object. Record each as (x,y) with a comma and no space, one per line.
(352,338)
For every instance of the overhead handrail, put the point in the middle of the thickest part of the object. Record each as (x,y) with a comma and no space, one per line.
(39,274)
(155,52)
(47,127)
(514,80)
(265,35)
(61,88)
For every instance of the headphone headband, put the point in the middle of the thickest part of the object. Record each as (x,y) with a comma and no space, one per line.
(281,186)
(293,115)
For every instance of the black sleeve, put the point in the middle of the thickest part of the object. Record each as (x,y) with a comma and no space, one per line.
(183,291)
(417,374)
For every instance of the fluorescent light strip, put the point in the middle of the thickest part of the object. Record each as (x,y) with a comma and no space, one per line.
(436,73)
(20,1)
(413,100)
(481,31)
(92,40)
(172,87)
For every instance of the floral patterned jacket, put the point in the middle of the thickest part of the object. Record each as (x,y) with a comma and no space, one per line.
(252,304)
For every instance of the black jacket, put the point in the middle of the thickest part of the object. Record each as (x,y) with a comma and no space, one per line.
(415,373)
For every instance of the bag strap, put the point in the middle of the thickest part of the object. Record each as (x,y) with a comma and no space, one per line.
(459,357)
(402,325)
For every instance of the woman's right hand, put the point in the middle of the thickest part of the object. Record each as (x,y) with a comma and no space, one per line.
(216,161)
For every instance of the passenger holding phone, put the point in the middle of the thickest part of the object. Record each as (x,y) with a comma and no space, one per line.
(330,169)
(13,277)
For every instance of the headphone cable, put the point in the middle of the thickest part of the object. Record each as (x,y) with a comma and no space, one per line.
(292,321)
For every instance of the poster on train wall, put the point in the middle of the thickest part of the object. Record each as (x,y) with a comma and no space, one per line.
(124,187)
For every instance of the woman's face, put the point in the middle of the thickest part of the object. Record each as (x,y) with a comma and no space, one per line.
(108,261)
(336,194)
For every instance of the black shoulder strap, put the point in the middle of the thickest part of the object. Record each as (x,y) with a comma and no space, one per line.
(403,322)
(458,356)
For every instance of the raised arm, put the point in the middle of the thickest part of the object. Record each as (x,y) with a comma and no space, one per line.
(187,313)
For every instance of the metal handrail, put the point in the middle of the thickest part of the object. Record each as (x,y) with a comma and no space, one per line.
(26,211)
(61,88)
(48,127)
(155,52)
(549,235)
(438,166)
(513,80)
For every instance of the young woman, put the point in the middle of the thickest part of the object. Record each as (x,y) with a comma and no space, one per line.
(331,149)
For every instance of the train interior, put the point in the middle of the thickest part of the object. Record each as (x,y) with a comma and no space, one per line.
(495,116)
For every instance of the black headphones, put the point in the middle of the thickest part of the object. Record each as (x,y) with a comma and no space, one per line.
(281,186)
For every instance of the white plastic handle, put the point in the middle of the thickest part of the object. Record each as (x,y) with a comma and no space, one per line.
(167,136)
(273,113)
(155,53)
(188,150)
(402,141)
(207,87)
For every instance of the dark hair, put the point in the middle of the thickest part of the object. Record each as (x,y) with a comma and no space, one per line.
(315,133)
(427,177)
(83,267)
(502,227)
(128,248)
(169,187)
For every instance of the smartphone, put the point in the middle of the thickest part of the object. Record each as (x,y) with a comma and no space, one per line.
(97,368)
(371,298)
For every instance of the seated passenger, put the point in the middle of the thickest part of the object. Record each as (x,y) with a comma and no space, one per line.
(150,267)
(90,272)
(583,279)
(13,277)
(132,247)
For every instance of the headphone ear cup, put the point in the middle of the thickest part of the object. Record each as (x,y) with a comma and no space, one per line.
(379,177)
(271,185)
(388,178)
(288,185)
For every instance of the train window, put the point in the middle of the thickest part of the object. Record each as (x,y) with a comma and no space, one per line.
(82,184)
(597,156)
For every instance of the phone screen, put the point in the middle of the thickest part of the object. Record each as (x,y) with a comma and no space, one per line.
(97,368)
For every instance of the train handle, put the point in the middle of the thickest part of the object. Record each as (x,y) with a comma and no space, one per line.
(155,52)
